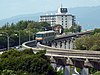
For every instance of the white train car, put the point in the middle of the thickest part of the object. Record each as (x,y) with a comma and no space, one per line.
(45,36)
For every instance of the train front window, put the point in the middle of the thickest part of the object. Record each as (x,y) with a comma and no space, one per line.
(39,35)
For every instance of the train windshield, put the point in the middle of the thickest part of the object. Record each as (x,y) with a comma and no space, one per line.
(39,35)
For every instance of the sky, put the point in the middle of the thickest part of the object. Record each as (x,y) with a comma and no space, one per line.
(9,8)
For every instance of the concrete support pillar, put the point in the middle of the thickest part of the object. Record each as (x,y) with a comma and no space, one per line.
(85,71)
(53,45)
(71,44)
(63,45)
(67,45)
(67,70)
(58,44)
(54,65)
(67,67)
(53,62)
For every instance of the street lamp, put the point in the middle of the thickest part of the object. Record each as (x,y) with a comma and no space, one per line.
(18,36)
(7,39)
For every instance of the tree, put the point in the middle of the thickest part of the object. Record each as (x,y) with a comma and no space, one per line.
(26,62)
(44,24)
(66,30)
(75,28)
(97,73)
(97,30)
(91,42)
(22,25)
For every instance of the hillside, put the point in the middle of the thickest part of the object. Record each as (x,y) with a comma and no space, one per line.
(17,18)
(87,17)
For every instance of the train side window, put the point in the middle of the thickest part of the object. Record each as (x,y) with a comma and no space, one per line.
(43,35)
(39,35)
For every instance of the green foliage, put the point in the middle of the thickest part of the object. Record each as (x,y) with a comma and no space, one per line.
(11,53)
(80,43)
(91,42)
(92,70)
(7,72)
(74,29)
(97,73)
(25,63)
(97,30)
(95,48)
(60,72)
(41,53)
(28,51)
(66,30)
(11,72)
(24,27)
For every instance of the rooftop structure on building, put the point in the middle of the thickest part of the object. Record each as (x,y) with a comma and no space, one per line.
(62,17)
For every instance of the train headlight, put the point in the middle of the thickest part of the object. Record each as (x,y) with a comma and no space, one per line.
(39,38)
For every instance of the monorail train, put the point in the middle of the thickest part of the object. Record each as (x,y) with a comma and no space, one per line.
(45,36)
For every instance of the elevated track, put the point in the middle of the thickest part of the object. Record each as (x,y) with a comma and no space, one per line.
(65,54)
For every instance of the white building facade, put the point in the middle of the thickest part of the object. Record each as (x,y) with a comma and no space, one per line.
(61,17)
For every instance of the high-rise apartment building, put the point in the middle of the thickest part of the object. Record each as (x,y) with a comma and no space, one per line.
(61,17)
